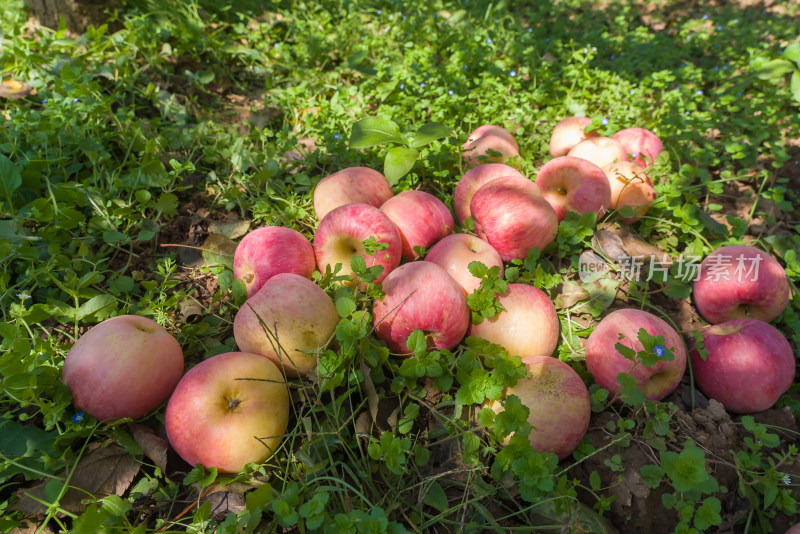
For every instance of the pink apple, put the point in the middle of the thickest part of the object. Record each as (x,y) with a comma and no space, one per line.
(472,180)
(227,411)
(574,184)
(749,365)
(421,218)
(568,133)
(299,318)
(513,216)
(421,296)
(624,175)
(489,138)
(455,252)
(795,529)
(353,185)
(643,145)
(528,326)
(271,250)
(605,362)
(738,281)
(558,402)
(125,366)
(341,233)
(601,151)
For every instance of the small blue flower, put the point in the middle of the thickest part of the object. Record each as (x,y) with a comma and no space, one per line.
(74,100)
(450,92)
(402,86)
(77,418)
(466,67)
(612,57)
(632,91)
(547,40)
(659,350)
(699,92)
(724,67)
(380,11)
(705,17)
(604,122)
(530,30)
(787,479)
(716,67)
(719,28)
(735,21)
(678,88)
(23,296)
(512,73)
(44,101)
(634,154)
(336,137)
(488,40)
(739,93)
(404,17)
(422,85)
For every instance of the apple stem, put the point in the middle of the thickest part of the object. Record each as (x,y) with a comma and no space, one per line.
(232,403)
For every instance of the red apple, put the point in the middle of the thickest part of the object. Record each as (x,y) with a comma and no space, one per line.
(227,411)
(472,180)
(299,317)
(558,402)
(605,362)
(568,133)
(353,185)
(749,365)
(125,366)
(738,281)
(528,326)
(601,151)
(271,250)
(421,218)
(421,296)
(513,216)
(489,138)
(574,184)
(630,186)
(641,144)
(455,252)
(795,529)
(341,233)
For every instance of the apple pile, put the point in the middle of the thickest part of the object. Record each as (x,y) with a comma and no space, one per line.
(233,408)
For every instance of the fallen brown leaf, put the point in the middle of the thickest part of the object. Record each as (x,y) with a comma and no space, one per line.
(153,446)
(14,90)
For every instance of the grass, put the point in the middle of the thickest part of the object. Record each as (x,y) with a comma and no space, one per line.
(198,113)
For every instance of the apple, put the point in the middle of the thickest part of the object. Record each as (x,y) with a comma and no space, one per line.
(299,318)
(353,185)
(227,411)
(574,184)
(558,402)
(749,365)
(794,529)
(455,252)
(738,281)
(421,296)
(568,133)
(271,250)
(125,366)
(421,218)
(601,151)
(630,186)
(604,362)
(641,144)
(341,233)
(489,138)
(528,326)
(472,180)
(512,215)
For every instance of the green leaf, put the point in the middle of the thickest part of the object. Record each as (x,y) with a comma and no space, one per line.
(652,475)
(629,390)
(436,498)
(792,53)
(10,231)
(594,481)
(372,131)
(345,306)
(10,178)
(795,85)
(774,69)
(707,515)
(430,132)
(112,237)
(356,58)
(98,308)
(398,162)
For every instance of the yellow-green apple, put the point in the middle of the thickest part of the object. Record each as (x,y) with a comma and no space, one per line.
(455,252)
(227,411)
(528,326)
(271,250)
(601,151)
(630,186)
(574,184)
(568,133)
(487,139)
(605,362)
(125,366)
(748,366)
(421,218)
(341,233)
(421,296)
(739,281)
(472,180)
(641,144)
(296,318)
(512,215)
(353,185)
(558,402)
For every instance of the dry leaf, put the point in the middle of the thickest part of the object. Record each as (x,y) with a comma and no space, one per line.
(102,472)
(14,89)
(152,445)
(30,527)
(218,250)
(571,294)
(231,229)
(610,244)
(224,502)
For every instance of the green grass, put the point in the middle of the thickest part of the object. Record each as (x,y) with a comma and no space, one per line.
(185,116)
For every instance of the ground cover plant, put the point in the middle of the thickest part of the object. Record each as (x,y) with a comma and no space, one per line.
(135,156)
